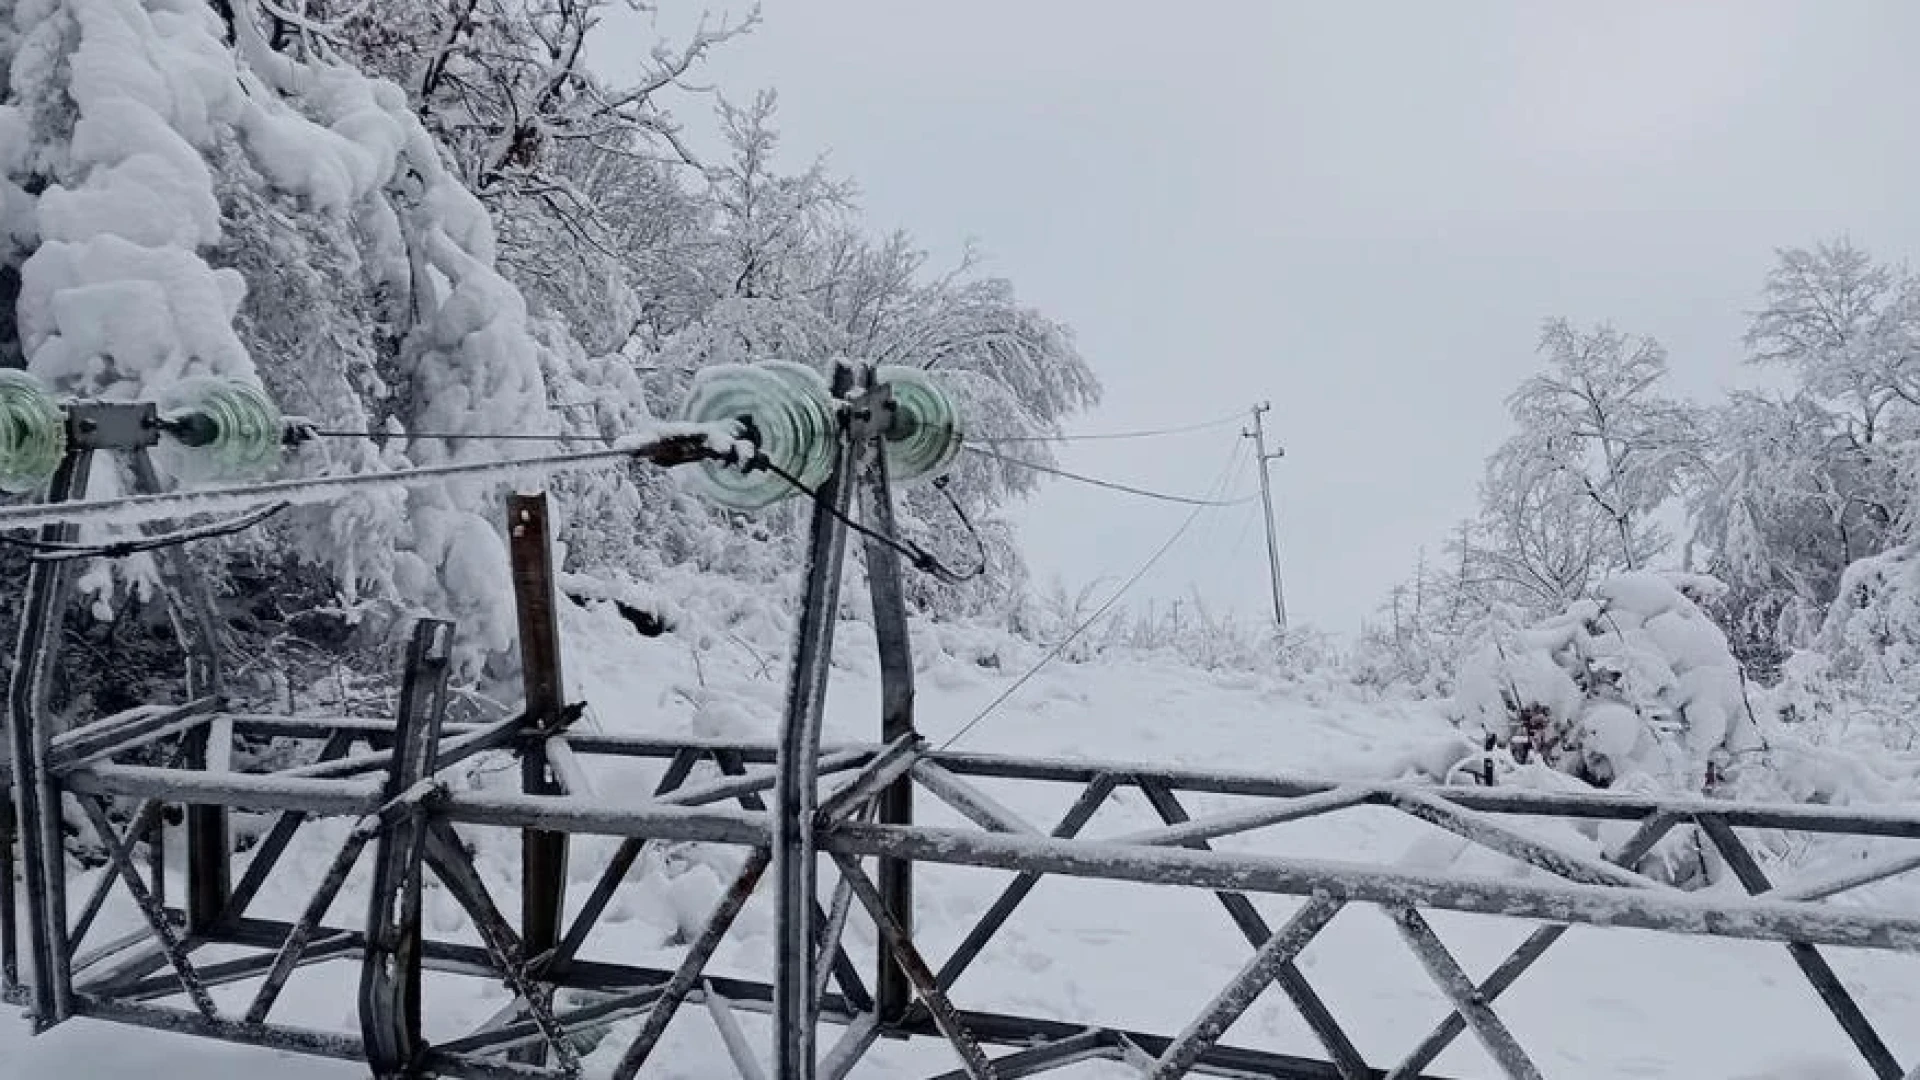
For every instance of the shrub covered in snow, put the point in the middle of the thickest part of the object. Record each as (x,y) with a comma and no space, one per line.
(1872,632)
(1861,682)
(1633,687)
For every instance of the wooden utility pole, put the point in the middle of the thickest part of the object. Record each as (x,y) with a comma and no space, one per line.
(543,855)
(1259,436)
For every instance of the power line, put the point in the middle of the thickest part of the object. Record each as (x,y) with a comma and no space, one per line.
(1240,539)
(707,442)
(1111,485)
(920,558)
(1236,465)
(1085,624)
(468,436)
(1145,433)
(984,440)
(971,447)
(684,444)
(59,551)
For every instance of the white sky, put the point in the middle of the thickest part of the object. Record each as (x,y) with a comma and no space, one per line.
(1361,211)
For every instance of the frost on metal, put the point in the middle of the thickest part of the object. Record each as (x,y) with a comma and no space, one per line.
(765,822)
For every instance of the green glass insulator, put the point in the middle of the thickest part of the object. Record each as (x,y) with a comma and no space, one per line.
(789,413)
(926,434)
(33,433)
(232,427)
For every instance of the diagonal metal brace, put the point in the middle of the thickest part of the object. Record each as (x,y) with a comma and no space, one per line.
(1820,974)
(945,1016)
(1650,833)
(1275,953)
(1339,1046)
(1467,1000)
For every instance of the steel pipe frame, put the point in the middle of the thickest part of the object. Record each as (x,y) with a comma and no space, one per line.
(36,794)
(470,1057)
(1812,963)
(1598,893)
(390,985)
(323,796)
(1319,1019)
(36,755)
(1027,851)
(1061,1043)
(1776,920)
(112,736)
(1796,817)
(796,791)
(1142,861)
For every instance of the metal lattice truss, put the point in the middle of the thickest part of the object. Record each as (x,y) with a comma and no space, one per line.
(410,825)
(823,831)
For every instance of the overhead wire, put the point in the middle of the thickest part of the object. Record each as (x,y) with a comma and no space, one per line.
(921,559)
(452,436)
(131,509)
(263,500)
(1085,624)
(1144,433)
(677,448)
(1111,485)
(1206,531)
(62,551)
(984,440)
(1240,539)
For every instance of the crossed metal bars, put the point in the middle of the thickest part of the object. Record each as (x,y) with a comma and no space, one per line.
(848,805)
(407,816)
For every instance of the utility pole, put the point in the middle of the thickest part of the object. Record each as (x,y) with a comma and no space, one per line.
(1259,437)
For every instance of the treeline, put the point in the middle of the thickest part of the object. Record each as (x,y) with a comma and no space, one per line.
(1801,502)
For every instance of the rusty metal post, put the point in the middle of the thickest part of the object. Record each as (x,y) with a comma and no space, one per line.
(36,796)
(543,855)
(390,969)
(796,791)
(893,991)
(190,610)
(9,913)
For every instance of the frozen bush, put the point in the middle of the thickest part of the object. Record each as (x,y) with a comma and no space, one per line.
(1633,686)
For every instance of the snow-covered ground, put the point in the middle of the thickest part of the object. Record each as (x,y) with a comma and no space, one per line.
(1602,1004)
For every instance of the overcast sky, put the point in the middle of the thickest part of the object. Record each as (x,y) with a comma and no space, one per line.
(1359,211)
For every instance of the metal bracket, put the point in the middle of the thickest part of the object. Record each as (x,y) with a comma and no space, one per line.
(871,412)
(113,425)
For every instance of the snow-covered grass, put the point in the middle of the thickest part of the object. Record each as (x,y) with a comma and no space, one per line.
(1602,1004)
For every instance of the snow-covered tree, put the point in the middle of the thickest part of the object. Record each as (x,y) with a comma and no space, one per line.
(1539,540)
(1597,417)
(1803,486)
(422,218)
(1871,642)
(793,277)
(1429,622)
(1571,497)
(1569,500)
(768,222)
(1785,509)
(1849,327)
